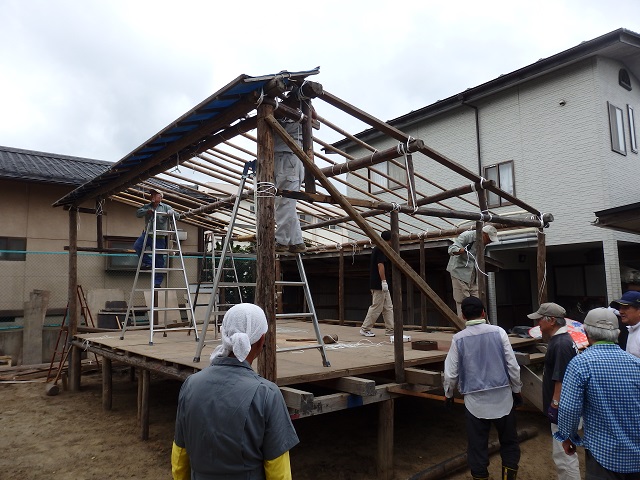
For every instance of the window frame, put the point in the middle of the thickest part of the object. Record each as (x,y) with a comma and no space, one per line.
(616,129)
(501,202)
(633,139)
(6,244)
(127,244)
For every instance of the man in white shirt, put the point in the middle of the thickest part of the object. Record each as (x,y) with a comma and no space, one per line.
(629,308)
(482,364)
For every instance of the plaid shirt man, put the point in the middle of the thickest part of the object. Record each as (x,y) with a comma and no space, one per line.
(603,385)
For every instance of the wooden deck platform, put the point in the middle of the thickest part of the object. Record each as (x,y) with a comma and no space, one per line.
(361,371)
(352,355)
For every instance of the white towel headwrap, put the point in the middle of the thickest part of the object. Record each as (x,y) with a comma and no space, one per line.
(242,326)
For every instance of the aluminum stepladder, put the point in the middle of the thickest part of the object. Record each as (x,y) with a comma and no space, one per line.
(155,309)
(214,308)
(207,274)
(303,283)
(62,353)
(310,314)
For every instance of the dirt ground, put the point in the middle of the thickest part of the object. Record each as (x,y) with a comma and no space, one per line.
(69,436)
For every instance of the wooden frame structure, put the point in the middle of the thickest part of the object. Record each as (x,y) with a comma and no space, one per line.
(215,140)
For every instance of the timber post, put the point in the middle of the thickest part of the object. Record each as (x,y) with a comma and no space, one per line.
(423,299)
(265,237)
(541,267)
(307,144)
(480,249)
(398,324)
(341,288)
(385,440)
(74,366)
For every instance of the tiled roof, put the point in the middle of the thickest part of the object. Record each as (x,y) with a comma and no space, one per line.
(32,166)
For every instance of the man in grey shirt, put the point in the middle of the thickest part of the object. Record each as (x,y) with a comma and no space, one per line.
(231,423)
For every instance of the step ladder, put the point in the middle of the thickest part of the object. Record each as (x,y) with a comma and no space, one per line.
(229,284)
(172,248)
(311,314)
(61,350)
(213,309)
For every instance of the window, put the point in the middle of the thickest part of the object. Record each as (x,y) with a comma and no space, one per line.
(121,261)
(632,130)
(397,173)
(13,249)
(305,218)
(502,174)
(623,79)
(326,218)
(616,126)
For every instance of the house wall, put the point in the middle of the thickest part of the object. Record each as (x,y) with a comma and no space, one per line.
(27,212)
(562,157)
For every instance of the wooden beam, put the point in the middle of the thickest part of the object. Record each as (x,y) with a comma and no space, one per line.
(298,400)
(404,267)
(423,377)
(481,276)
(371,159)
(354,385)
(342,401)
(75,367)
(307,144)
(265,236)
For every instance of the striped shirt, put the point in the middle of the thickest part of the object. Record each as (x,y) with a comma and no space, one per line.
(603,385)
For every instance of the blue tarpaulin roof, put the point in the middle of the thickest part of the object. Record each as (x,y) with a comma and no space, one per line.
(182,134)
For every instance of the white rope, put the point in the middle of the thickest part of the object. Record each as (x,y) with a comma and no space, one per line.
(487,212)
(265,190)
(469,254)
(99,207)
(260,98)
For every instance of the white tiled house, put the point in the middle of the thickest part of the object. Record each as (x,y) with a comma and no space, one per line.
(560,135)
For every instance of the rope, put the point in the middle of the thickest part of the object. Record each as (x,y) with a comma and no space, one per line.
(99,207)
(469,254)
(487,212)
(260,98)
(265,189)
(299,95)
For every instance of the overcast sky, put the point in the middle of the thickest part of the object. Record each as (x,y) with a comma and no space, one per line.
(96,78)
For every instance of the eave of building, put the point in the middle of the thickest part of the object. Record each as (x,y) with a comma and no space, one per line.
(622,45)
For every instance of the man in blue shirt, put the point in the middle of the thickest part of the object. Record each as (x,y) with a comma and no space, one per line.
(603,386)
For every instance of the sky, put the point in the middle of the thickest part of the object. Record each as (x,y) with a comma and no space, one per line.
(97,78)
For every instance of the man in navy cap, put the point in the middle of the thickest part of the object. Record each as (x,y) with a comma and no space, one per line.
(629,308)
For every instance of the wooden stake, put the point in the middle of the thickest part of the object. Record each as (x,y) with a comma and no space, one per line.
(541,267)
(265,236)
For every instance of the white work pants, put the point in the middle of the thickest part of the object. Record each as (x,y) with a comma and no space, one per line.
(289,174)
(380,303)
(567,466)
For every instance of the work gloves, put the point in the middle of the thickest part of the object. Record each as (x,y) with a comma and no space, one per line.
(385,286)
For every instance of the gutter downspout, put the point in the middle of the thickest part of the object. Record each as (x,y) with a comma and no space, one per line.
(477,118)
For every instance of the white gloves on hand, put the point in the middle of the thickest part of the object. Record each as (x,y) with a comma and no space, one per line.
(385,286)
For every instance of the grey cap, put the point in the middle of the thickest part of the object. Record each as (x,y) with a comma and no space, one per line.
(491,231)
(548,310)
(601,318)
